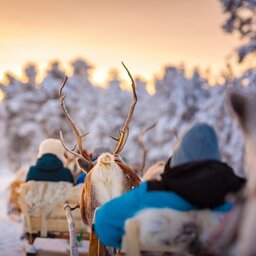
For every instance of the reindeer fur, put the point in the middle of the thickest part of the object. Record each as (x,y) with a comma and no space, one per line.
(244,107)
(109,178)
(13,204)
(14,189)
(168,230)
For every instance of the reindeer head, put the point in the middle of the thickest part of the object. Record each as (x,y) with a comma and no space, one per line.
(83,159)
(106,160)
(108,176)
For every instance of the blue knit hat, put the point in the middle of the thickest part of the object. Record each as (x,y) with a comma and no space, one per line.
(199,143)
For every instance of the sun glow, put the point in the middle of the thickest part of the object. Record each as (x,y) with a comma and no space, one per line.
(107,34)
(99,76)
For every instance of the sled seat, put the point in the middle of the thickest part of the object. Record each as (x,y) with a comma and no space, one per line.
(133,246)
(44,216)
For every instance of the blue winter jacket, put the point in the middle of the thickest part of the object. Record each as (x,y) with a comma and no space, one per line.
(181,188)
(110,218)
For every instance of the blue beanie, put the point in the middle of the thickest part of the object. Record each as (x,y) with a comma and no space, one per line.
(199,143)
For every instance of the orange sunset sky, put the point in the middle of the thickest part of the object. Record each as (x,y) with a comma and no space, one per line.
(145,34)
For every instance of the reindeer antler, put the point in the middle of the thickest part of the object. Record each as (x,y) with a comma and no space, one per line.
(123,134)
(141,143)
(82,153)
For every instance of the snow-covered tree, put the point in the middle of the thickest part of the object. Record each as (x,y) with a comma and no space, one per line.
(30,71)
(241,18)
(29,116)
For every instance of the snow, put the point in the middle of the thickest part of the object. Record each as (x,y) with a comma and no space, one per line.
(32,112)
(10,231)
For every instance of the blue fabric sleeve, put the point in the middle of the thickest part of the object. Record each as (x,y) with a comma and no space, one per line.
(226,207)
(110,218)
(80,179)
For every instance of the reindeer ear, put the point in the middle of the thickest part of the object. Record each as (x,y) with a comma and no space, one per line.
(84,164)
(238,104)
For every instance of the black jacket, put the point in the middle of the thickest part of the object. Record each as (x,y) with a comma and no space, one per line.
(204,184)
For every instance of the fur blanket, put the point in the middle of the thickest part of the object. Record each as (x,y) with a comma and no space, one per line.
(47,195)
(168,230)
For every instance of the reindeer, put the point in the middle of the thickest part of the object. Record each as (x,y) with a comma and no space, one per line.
(244,106)
(108,176)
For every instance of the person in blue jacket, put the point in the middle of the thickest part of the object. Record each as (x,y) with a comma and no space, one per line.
(49,165)
(193,178)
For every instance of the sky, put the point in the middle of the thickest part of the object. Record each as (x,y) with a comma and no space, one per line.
(146,35)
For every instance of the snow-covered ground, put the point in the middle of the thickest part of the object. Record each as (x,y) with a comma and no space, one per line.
(10,231)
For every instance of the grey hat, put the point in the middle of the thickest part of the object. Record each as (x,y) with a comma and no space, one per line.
(199,143)
(98,151)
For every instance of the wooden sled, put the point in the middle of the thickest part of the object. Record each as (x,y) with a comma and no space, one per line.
(41,223)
